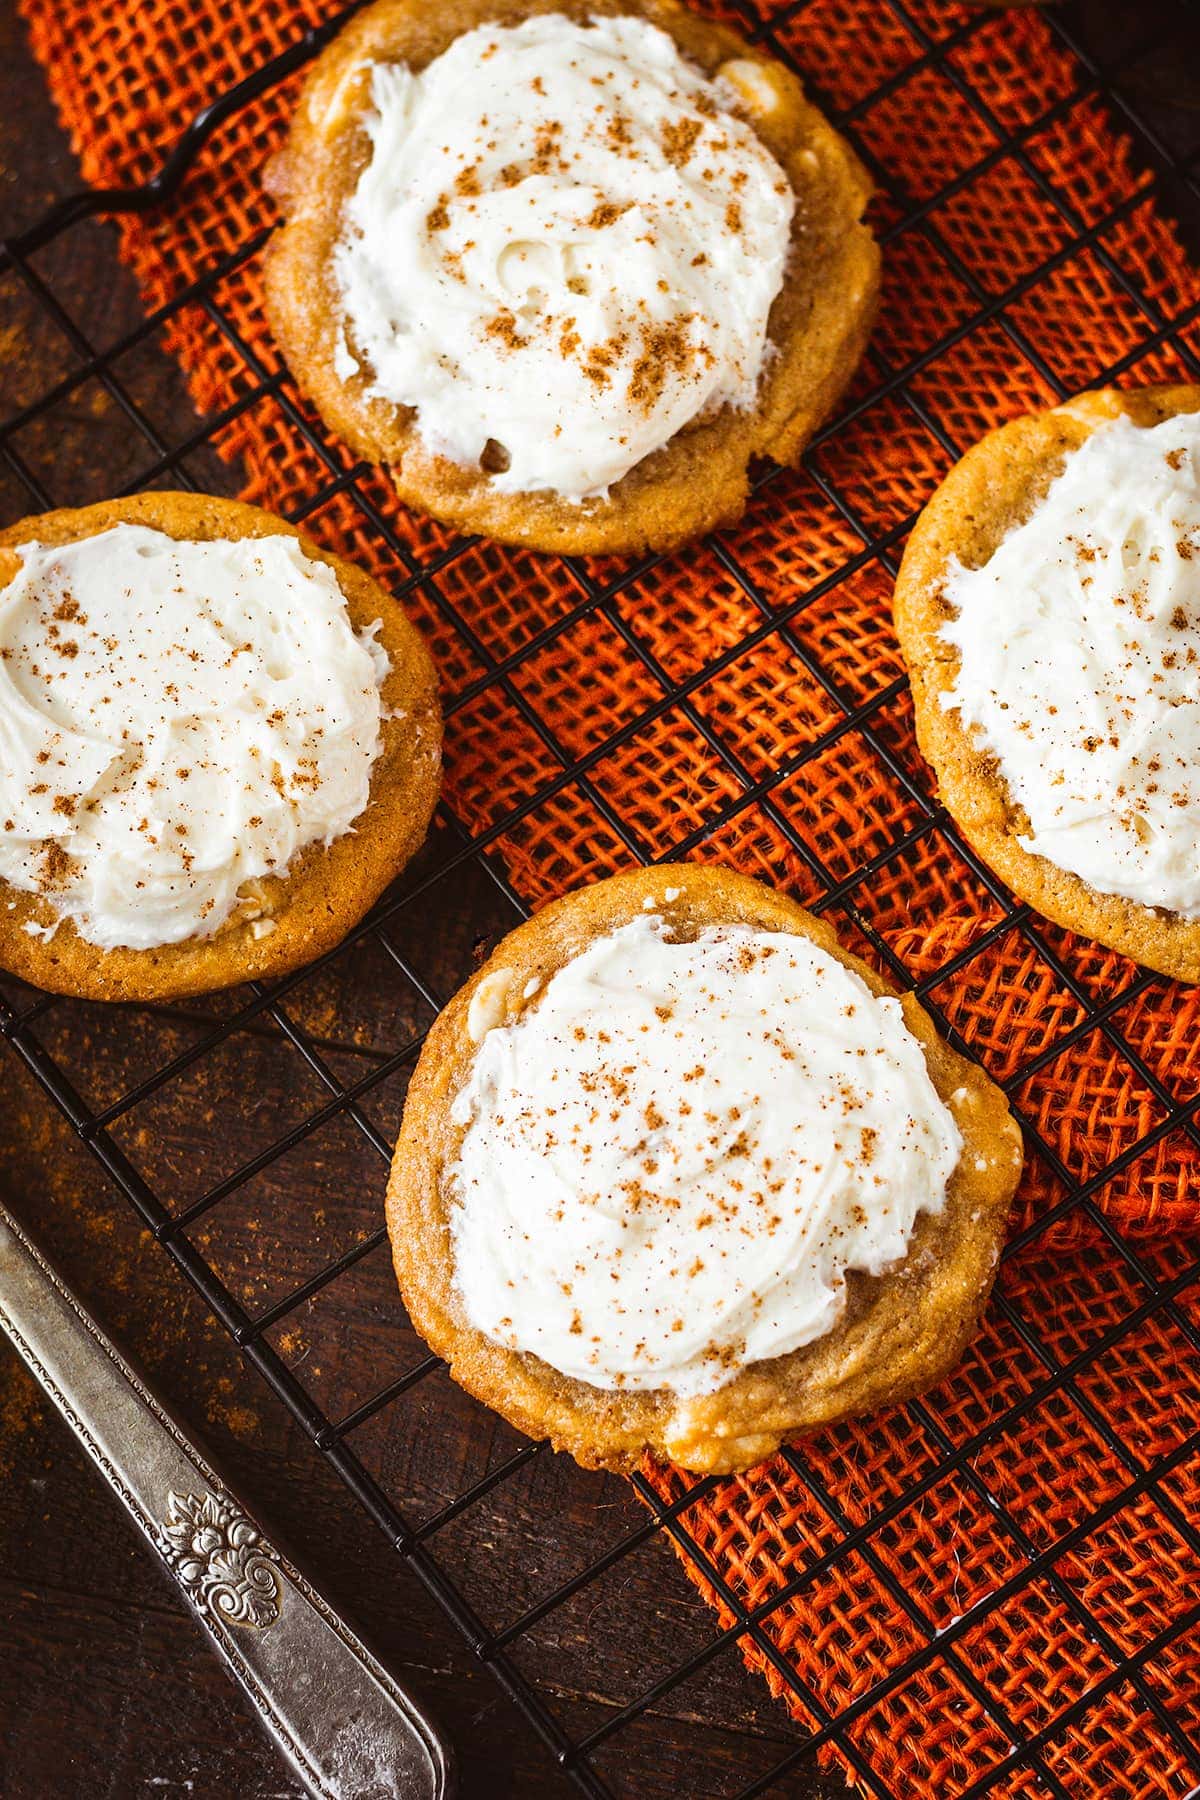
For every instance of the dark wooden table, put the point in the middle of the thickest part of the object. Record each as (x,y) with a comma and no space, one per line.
(106,1691)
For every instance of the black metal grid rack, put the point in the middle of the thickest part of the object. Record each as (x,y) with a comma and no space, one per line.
(27,1021)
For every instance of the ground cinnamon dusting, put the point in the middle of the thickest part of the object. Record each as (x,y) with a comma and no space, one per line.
(606,213)
(679,140)
(546,153)
(56,869)
(504,326)
(666,350)
(618,133)
(600,358)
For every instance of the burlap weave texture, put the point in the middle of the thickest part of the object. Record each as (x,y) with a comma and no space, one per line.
(780,635)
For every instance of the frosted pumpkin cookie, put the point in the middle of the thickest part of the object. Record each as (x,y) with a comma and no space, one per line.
(566,268)
(219,746)
(678,1173)
(1048,606)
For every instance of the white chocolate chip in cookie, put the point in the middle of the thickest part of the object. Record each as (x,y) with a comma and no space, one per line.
(752,83)
(693,1424)
(329,112)
(489,1004)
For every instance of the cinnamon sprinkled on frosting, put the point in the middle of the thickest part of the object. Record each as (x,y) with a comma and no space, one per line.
(1079,663)
(520,257)
(211,713)
(674,1155)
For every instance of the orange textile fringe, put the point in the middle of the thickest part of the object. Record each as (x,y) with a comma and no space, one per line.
(1016,1522)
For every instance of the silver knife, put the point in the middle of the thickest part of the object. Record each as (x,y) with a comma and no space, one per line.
(347,1729)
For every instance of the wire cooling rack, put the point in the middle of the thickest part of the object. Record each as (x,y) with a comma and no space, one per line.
(457,892)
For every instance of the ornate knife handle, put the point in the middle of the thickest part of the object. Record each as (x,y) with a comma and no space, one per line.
(347,1729)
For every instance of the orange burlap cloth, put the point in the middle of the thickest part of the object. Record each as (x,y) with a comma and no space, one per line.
(1057,1481)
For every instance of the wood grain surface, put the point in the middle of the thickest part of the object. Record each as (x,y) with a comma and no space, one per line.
(106,1691)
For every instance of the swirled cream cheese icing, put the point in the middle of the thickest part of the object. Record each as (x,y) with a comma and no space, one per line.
(177,720)
(1078,649)
(675,1153)
(563,248)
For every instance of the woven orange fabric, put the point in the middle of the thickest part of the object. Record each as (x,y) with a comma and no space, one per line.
(765,695)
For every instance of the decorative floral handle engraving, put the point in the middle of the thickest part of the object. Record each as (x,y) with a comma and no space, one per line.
(220,1558)
(352,1732)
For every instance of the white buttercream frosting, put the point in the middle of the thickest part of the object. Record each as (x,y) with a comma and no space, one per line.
(176,720)
(1079,663)
(676,1151)
(565,243)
